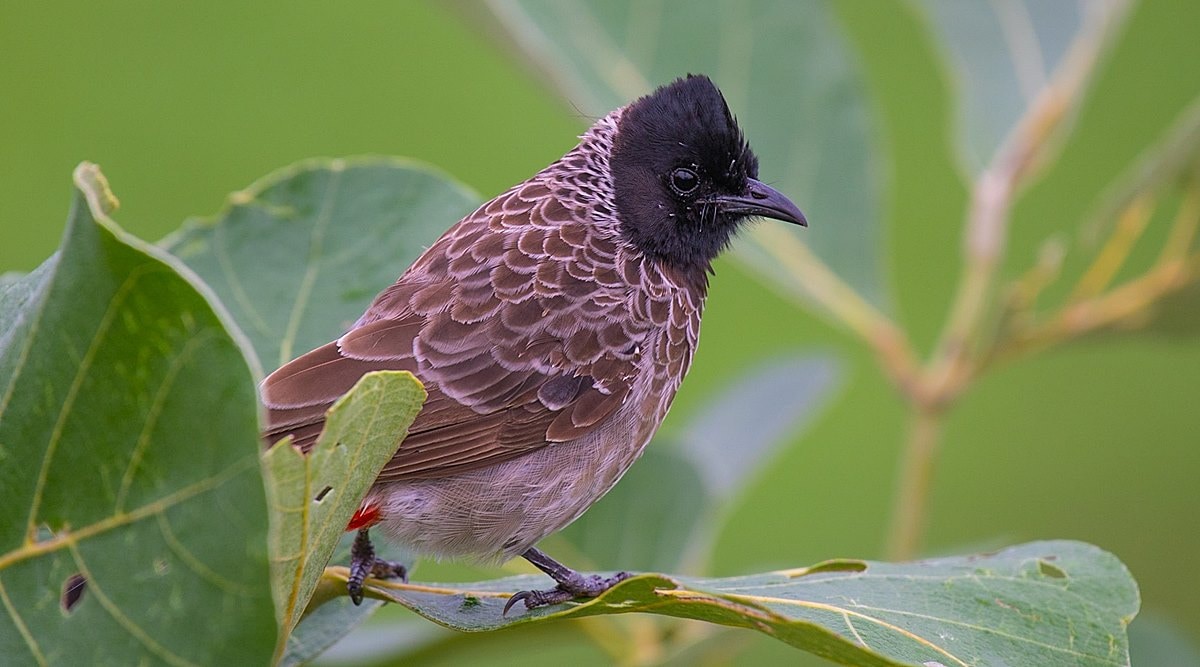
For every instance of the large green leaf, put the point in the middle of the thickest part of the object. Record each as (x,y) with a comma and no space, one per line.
(128,441)
(1043,603)
(739,431)
(1003,54)
(314,495)
(297,256)
(787,74)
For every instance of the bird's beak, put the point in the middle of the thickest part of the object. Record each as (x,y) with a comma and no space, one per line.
(762,200)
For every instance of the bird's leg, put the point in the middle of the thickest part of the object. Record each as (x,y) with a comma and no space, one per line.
(363,564)
(571,584)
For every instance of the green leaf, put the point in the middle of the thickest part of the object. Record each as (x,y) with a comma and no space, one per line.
(787,73)
(16,293)
(314,495)
(299,255)
(322,626)
(1043,603)
(741,429)
(1156,640)
(129,461)
(1001,56)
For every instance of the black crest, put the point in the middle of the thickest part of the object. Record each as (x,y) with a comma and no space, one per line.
(677,150)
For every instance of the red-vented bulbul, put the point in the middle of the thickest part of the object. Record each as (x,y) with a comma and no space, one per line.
(551,328)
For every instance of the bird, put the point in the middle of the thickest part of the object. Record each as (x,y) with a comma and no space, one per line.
(551,329)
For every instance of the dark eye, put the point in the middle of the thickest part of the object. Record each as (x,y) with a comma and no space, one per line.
(684,181)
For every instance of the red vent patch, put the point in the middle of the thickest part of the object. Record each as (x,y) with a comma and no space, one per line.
(364,517)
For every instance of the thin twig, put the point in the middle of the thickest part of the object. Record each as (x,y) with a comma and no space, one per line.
(954,361)
(1124,307)
(912,492)
(1183,232)
(1112,256)
(1090,308)
(846,306)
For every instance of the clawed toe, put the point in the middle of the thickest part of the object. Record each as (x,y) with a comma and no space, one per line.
(363,564)
(581,587)
(522,595)
(386,569)
(535,599)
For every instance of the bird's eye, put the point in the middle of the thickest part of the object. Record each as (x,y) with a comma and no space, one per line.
(684,181)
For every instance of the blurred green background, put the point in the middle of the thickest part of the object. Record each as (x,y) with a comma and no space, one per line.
(182,104)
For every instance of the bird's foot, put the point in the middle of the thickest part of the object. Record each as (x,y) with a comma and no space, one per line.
(363,564)
(586,587)
(571,584)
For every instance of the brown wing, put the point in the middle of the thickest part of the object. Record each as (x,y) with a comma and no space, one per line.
(516,322)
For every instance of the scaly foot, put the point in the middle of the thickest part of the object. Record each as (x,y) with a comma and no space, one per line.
(571,584)
(363,564)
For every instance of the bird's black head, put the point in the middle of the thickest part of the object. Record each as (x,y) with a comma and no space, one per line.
(684,176)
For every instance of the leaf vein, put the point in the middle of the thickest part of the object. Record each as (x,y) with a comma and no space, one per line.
(304,292)
(23,629)
(27,344)
(985,629)
(966,577)
(298,576)
(854,630)
(196,565)
(153,413)
(838,610)
(124,621)
(81,373)
(235,284)
(67,538)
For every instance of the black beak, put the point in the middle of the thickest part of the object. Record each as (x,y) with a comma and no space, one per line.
(762,200)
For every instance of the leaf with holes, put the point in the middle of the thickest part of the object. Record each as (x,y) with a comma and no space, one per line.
(128,441)
(314,495)
(1043,603)
(298,255)
(787,73)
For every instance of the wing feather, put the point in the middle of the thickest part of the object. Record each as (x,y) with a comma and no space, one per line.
(514,321)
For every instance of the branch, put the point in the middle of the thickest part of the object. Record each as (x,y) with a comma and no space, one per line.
(846,306)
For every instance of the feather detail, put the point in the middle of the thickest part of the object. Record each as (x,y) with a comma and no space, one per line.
(367,515)
(516,320)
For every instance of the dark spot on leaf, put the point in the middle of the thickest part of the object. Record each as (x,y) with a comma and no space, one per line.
(324,492)
(840,565)
(1049,570)
(72,591)
(470,601)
